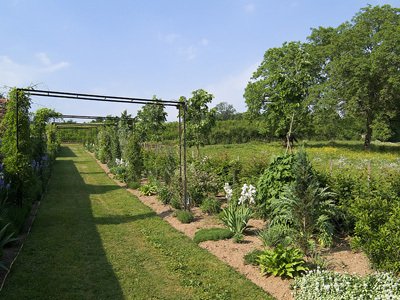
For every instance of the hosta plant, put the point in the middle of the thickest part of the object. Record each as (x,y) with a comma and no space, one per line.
(283,262)
(147,189)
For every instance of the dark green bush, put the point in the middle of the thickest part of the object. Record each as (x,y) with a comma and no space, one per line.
(175,202)
(164,194)
(270,185)
(212,234)
(134,185)
(377,222)
(185,216)
(252,257)
(211,205)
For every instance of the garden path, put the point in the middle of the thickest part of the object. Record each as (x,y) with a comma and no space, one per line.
(92,239)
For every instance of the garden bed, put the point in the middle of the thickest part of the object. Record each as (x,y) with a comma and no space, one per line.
(343,258)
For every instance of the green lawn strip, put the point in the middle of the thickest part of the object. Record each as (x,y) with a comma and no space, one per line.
(94,240)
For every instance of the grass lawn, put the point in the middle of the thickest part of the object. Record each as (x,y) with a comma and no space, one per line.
(94,240)
(340,154)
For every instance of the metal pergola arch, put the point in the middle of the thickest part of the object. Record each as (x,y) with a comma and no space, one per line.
(90,97)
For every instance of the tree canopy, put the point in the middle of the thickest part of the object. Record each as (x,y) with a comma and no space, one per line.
(361,62)
(342,78)
(152,118)
(199,118)
(279,89)
(224,111)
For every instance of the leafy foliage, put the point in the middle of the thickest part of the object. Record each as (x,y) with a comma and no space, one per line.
(185,216)
(5,240)
(211,205)
(279,88)
(360,61)
(151,121)
(305,206)
(272,236)
(236,218)
(377,214)
(252,257)
(147,189)
(326,285)
(283,262)
(270,185)
(133,155)
(212,234)
(199,119)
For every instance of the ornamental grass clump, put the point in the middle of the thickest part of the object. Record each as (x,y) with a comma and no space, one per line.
(327,285)
(236,219)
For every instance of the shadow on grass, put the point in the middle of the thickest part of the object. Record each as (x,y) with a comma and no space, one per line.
(64,257)
(66,152)
(120,219)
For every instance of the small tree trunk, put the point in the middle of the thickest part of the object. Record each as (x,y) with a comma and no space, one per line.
(368,133)
(288,145)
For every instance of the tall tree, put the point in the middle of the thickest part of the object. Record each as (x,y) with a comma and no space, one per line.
(199,119)
(152,118)
(224,111)
(278,92)
(362,66)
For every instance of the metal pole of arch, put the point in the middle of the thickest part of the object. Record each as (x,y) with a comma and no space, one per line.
(184,158)
(17,123)
(180,143)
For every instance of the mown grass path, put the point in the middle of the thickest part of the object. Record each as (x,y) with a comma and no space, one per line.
(94,240)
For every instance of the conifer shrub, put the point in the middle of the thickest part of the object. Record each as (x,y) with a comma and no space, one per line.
(185,216)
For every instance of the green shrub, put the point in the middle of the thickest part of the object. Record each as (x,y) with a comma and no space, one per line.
(133,185)
(326,285)
(147,189)
(377,231)
(212,234)
(271,183)
(271,236)
(211,205)
(175,203)
(185,216)
(282,262)
(164,194)
(252,257)
(305,206)
(134,157)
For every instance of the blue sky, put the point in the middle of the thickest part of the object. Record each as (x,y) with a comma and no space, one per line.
(166,48)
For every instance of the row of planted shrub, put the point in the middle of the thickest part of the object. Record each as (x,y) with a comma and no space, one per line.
(26,160)
(366,204)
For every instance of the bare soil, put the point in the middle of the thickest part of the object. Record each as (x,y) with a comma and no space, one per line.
(343,258)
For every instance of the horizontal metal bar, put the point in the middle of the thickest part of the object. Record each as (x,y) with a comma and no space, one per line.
(94,117)
(74,124)
(100,97)
(77,127)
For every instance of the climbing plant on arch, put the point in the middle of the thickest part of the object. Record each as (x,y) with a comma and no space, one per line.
(181,105)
